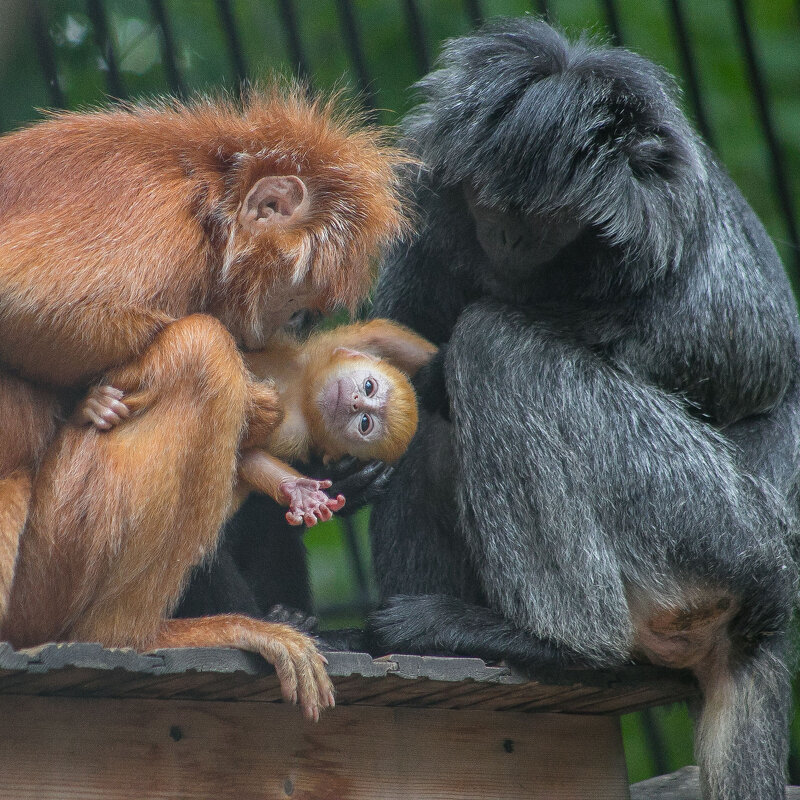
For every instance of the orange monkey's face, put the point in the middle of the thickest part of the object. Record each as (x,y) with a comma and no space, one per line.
(272,248)
(302,200)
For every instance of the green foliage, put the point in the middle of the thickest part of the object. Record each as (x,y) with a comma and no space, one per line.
(205,63)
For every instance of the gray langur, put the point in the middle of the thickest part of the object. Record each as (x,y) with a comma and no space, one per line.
(608,468)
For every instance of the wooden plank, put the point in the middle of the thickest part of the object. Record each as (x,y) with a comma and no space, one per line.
(91,748)
(631,701)
(549,699)
(70,681)
(395,692)
(162,686)
(461,695)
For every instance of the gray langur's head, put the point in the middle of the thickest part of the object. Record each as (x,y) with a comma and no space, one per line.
(562,137)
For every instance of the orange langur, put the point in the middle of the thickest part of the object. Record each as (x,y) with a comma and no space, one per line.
(144,247)
(344,391)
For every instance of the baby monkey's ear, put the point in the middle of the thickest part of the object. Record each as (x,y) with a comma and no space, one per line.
(276,200)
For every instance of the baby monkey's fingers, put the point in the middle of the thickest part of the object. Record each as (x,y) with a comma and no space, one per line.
(103,408)
(324,513)
(335,503)
(294,519)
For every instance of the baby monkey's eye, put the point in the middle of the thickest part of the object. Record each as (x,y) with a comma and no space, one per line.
(370,387)
(365,424)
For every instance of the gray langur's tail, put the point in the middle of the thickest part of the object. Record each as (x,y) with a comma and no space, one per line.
(740,738)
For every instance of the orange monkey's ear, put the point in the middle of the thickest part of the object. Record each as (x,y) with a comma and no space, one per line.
(275,200)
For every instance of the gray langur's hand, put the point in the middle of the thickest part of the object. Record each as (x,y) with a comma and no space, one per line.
(361,483)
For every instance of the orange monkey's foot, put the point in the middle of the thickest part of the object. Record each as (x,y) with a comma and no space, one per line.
(103,408)
(307,502)
(298,663)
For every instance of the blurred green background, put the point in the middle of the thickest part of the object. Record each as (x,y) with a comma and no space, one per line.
(393,57)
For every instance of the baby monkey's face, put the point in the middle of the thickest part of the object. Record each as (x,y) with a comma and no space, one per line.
(353,402)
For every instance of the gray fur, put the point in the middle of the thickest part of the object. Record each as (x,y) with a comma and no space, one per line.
(624,413)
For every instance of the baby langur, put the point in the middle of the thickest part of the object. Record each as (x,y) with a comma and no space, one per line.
(342,392)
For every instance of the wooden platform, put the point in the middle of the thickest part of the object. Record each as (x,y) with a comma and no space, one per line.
(84,722)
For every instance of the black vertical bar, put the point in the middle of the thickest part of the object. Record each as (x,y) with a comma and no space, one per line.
(357,562)
(655,741)
(689,69)
(97,15)
(296,52)
(612,18)
(46,54)
(540,7)
(355,50)
(779,171)
(417,36)
(474,12)
(235,52)
(174,80)
(793,763)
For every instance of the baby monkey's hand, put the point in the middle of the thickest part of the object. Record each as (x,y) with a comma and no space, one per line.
(103,408)
(307,502)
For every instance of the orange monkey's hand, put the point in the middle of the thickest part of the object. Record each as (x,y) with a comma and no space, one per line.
(103,408)
(307,502)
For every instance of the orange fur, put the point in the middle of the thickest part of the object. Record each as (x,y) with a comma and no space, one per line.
(122,252)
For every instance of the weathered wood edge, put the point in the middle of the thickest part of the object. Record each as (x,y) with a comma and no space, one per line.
(203,666)
(90,655)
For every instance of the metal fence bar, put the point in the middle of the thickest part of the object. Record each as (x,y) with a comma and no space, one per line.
(779,171)
(474,12)
(689,69)
(793,762)
(540,7)
(356,559)
(654,740)
(235,52)
(612,20)
(355,51)
(293,41)
(97,15)
(168,55)
(46,54)
(416,35)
